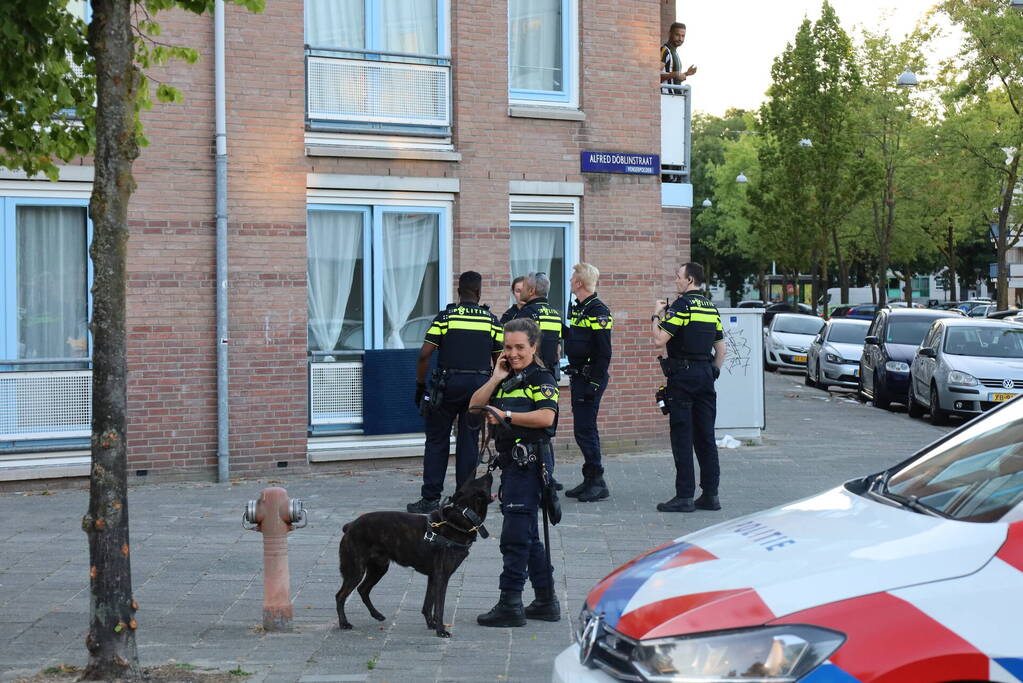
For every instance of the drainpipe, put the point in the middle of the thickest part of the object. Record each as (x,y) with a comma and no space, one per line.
(223,456)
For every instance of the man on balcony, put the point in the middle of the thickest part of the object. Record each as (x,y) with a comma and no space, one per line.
(469,338)
(672,75)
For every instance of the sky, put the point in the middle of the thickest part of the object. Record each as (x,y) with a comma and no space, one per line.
(734,42)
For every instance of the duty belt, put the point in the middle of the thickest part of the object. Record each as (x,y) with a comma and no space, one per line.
(670,366)
(453,371)
(583,371)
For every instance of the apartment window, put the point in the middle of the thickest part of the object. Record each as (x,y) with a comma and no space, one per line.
(542,50)
(378,66)
(544,238)
(44,293)
(375,276)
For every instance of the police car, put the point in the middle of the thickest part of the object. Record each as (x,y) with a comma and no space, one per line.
(910,575)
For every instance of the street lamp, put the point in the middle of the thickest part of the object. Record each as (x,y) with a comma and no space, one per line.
(807,142)
(908,79)
(707,203)
(741,178)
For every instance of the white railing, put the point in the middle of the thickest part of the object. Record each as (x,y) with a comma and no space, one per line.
(335,393)
(676,117)
(45,405)
(371,91)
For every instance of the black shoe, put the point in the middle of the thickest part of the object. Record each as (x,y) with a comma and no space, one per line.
(545,605)
(423,506)
(707,502)
(576,490)
(596,490)
(677,504)
(558,486)
(507,612)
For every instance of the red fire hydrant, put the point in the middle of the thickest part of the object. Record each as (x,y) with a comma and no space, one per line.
(274,515)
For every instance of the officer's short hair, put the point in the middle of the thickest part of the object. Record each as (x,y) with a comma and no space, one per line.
(520,278)
(587,274)
(539,283)
(469,284)
(532,330)
(695,271)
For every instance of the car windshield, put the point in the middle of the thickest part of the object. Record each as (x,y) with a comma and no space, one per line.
(985,341)
(911,331)
(798,325)
(847,334)
(977,475)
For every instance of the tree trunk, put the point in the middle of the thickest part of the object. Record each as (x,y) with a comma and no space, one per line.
(814,281)
(907,286)
(843,268)
(1003,243)
(111,636)
(953,263)
(873,291)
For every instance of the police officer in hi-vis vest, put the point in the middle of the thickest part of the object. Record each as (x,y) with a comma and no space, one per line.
(691,333)
(468,338)
(588,347)
(547,318)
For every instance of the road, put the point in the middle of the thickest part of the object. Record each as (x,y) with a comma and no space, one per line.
(197,574)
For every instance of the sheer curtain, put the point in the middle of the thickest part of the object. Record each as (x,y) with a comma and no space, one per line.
(533,248)
(335,23)
(410,244)
(51,272)
(410,26)
(334,240)
(535,45)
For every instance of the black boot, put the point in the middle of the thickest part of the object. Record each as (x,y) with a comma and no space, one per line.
(507,612)
(423,506)
(545,605)
(677,504)
(589,472)
(596,489)
(707,502)
(576,490)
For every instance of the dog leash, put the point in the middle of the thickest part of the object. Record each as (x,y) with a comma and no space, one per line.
(487,435)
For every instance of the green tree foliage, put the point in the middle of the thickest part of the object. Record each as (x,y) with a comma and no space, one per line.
(987,100)
(51,63)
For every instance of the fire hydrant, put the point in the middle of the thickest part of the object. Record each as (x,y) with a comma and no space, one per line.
(274,515)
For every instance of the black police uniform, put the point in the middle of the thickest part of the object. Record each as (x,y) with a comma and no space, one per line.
(548,319)
(467,335)
(694,325)
(510,314)
(522,486)
(588,347)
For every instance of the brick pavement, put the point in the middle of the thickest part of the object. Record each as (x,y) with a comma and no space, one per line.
(198,575)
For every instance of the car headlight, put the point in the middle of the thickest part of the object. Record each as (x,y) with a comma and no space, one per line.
(896,366)
(777,345)
(775,653)
(832,358)
(962,378)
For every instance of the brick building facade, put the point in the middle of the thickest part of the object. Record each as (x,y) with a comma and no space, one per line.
(337,142)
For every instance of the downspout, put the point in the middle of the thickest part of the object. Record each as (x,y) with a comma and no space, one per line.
(223,456)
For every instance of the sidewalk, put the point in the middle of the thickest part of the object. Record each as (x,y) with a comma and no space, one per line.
(198,574)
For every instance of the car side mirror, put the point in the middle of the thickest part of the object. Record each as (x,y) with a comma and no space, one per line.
(871,339)
(928,352)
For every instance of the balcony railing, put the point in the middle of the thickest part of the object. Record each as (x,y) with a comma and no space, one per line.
(36,406)
(676,169)
(381,90)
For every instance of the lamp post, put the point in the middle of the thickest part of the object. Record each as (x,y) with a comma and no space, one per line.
(908,79)
(741,178)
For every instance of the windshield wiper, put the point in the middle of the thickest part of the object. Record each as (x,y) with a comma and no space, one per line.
(879,489)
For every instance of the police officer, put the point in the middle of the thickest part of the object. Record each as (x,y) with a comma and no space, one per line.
(690,329)
(534,293)
(525,396)
(468,337)
(513,310)
(588,347)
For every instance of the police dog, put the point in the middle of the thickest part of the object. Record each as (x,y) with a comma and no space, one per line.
(434,545)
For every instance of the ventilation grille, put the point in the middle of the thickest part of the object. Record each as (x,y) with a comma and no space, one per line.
(544,208)
(378,92)
(45,405)
(336,393)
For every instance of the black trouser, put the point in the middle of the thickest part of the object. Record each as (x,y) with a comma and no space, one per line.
(521,548)
(692,405)
(584,423)
(460,388)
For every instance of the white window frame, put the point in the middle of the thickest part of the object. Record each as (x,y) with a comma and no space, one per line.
(570,53)
(522,215)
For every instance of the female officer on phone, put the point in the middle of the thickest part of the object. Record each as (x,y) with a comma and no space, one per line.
(523,392)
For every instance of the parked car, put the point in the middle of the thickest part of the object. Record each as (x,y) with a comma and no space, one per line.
(888,349)
(787,339)
(785,307)
(1001,315)
(834,355)
(946,305)
(981,311)
(856,311)
(913,574)
(965,367)
(967,306)
(751,303)
(902,304)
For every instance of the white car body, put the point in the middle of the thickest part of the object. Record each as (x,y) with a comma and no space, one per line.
(786,349)
(918,598)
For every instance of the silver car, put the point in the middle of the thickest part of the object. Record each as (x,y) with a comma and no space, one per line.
(834,355)
(964,367)
(787,339)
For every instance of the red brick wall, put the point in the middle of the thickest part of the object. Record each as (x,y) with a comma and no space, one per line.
(172,289)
